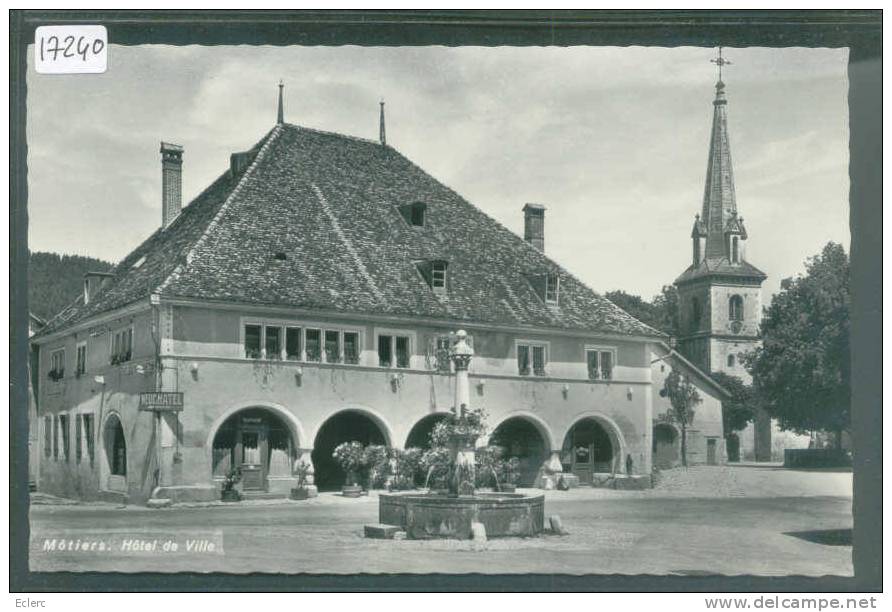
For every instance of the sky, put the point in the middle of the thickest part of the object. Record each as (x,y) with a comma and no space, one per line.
(613,141)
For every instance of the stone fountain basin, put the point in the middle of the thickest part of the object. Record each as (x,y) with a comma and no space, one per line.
(425,516)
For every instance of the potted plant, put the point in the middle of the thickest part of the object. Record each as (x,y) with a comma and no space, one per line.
(229,493)
(301,470)
(349,456)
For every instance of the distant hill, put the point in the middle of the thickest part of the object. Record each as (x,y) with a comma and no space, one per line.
(55,281)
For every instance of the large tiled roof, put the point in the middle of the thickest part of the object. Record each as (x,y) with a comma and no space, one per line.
(720,266)
(329,203)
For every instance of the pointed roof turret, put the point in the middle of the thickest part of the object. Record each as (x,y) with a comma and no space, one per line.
(718,217)
(719,200)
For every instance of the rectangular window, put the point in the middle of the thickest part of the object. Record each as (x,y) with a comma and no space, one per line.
(531,359)
(122,346)
(385,351)
(523,359)
(57,364)
(81,365)
(402,352)
(56,438)
(314,345)
(351,347)
(63,425)
(438,275)
(88,437)
(47,436)
(539,360)
(273,342)
(292,343)
(600,364)
(332,346)
(252,341)
(78,437)
(552,284)
(606,365)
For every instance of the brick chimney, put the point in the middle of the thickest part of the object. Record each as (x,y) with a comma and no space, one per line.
(171,182)
(534,225)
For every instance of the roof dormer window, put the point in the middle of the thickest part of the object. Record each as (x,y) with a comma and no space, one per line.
(552,288)
(438,275)
(434,273)
(414,213)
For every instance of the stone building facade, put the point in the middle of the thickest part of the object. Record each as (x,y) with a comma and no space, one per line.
(309,296)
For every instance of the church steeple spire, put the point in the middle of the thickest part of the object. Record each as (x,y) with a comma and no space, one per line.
(719,200)
(280,119)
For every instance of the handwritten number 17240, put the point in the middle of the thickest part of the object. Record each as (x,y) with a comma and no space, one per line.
(52,48)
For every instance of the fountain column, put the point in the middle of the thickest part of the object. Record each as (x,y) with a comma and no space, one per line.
(462,446)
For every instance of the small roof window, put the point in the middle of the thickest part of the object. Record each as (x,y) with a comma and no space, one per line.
(414,214)
(434,273)
(139,262)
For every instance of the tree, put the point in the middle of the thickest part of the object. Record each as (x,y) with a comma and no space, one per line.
(739,409)
(666,310)
(660,313)
(802,371)
(683,396)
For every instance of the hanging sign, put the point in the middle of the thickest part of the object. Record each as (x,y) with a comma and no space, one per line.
(163,401)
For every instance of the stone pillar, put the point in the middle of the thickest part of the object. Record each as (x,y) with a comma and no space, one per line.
(462,448)
(305,456)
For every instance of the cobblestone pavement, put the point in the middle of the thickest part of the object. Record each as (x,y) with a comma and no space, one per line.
(725,520)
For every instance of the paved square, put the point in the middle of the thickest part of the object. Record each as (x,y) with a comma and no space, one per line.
(761,520)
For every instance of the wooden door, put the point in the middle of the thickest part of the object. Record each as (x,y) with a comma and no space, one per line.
(710,451)
(583,462)
(253,461)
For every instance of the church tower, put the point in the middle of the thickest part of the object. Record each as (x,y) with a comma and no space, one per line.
(720,303)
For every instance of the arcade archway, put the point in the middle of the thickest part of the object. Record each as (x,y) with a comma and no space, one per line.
(258,443)
(346,426)
(589,448)
(420,434)
(522,439)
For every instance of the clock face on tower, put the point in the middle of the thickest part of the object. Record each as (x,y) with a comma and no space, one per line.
(736,326)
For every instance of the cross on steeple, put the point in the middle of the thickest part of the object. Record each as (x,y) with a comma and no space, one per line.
(720,61)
